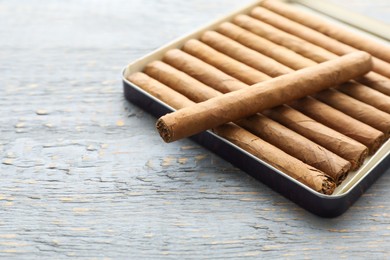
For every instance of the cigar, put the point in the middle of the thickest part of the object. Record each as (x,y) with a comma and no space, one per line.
(245,55)
(366,95)
(313,36)
(265,128)
(303,48)
(297,146)
(377,49)
(160,91)
(376,81)
(301,172)
(308,175)
(230,66)
(243,103)
(363,93)
(220,81)
(277,52)
(342,145)
(180,82)
(360,111)
(337,120)
(289,41)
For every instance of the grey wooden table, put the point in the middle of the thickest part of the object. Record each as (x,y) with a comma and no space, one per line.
(84,174)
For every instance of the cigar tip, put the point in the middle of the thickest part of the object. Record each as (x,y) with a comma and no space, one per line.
(359,161)
(163,130)
(328,186)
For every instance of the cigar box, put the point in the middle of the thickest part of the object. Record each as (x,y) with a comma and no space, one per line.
(322,205)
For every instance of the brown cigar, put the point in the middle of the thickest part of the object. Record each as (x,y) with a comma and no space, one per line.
(313,52)
(332,140)
(303,173)
(179,82)
(265,128)
(361,111)
(303,47)
(313,36)
(220,81)
(289,165)
(360,42)
(277,36)
(367,95)
(230,66)
(243,103)
(297,146)
(365,134)
(250,57)
(160,91)
(377,82)
(277,52)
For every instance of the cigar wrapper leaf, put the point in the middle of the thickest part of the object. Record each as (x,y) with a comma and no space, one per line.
(277,91)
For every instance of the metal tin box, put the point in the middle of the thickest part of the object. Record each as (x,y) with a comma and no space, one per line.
(322,205)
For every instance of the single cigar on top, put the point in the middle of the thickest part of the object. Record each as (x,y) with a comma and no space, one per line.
(245,102)
(376,118)
(308,175)
(330,139)
(265,128)
(305,48)
(377,49)
(313,36)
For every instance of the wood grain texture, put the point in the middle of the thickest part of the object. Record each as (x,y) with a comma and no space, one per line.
(83,173)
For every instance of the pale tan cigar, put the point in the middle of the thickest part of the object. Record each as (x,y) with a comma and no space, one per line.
(360,111)
(367,95)
(160,91)
(313,36)
(277,36)
(243,103)
(267,129)
(360,92)
(332,140)
(377,82)
(303,47)
(301,172)
(180,82)
(230,66)
(239,52)
(362,133)
(377,49)
(220,81)
(279,53)
(297,146)
(308,175)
